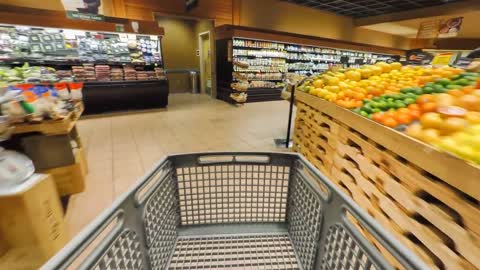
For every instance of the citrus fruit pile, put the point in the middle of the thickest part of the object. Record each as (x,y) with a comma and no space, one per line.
(350,88)
(439,106)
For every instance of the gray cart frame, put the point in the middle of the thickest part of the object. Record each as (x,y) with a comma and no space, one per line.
(232,211)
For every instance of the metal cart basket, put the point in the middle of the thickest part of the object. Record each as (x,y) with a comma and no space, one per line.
(232,211)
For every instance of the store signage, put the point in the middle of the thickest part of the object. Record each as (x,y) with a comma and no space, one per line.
(442,59)
(75,15)
(190,4)
(450,27)
(119,27)
(428,30)
(440,28)
(89,10)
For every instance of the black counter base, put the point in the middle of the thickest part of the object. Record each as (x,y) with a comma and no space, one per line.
(254,95)
(120,96)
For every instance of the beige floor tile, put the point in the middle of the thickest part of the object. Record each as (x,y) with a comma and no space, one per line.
(121,149)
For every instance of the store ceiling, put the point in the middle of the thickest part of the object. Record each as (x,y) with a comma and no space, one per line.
(366,8)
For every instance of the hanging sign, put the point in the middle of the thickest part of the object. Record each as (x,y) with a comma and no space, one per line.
(90,10)
(450,27)
(428,29)
(119,27)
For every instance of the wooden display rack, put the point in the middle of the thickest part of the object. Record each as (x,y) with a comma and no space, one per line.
(52,127)
(32,228)
(69,179)
(429,200)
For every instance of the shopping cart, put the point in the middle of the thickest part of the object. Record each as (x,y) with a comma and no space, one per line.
(232,211)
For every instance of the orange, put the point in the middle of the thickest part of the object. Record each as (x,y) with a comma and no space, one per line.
(403,118)
(414,107)
(429,107)
(349,93)
(403,111)
(359,96)
(376,92)
(390,114)
(415,114)
(468,89)
(389,122)
(456,93)
(377,117)
(425,99)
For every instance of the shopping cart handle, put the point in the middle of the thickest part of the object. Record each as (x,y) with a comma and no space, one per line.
(237,158)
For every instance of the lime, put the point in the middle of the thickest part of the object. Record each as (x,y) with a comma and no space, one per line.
(376,99)
(430,84)
(400,104)
(383,105)
(406,90)
(411,95)
(456,77)
(438,89)
(471,78)
(409,101)
(465,74)
(443,81)
(428,90)
(364,113)
(462,82)
(375,110)
(454,86)
(418,91)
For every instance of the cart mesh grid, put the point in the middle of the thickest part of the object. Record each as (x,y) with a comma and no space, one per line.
(276,214)
(232,194)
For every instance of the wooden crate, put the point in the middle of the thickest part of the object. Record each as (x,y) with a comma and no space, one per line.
(71,179)
(437,219)
(32,228)
(313,137)
(52,127)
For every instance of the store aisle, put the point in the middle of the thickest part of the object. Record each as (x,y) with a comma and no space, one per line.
(120,149)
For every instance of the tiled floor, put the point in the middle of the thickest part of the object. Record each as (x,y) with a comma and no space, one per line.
(120,149)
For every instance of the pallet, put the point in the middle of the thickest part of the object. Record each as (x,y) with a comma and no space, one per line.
(52,127)
(437,221)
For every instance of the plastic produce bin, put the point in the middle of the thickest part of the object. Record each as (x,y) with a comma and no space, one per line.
(233,211)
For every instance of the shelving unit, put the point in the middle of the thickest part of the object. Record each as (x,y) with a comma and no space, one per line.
(120,71)
(269,61)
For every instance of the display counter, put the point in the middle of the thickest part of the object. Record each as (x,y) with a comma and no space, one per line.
(104,97)
(429,200)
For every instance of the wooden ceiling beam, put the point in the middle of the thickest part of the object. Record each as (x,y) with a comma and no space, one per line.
(446,9)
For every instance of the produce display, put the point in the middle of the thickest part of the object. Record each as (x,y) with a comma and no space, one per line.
(35,103)
(38,55)
(439,106)
(265,63)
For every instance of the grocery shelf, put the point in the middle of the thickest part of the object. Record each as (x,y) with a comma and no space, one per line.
(244,55)
(72,62)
